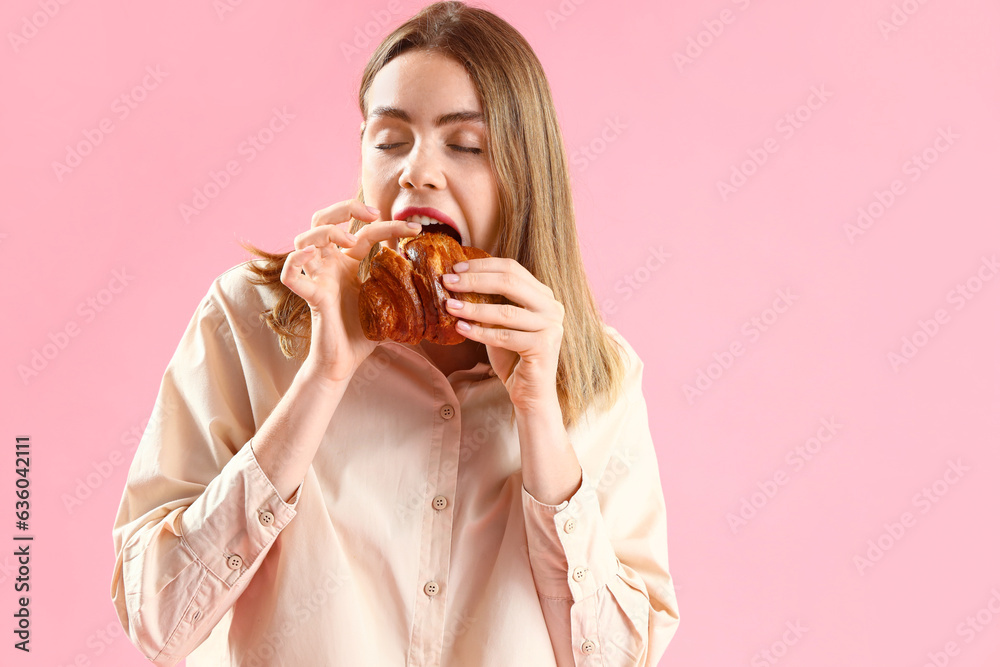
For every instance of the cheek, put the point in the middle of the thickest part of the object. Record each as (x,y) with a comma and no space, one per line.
(482,185)
(376,177)
(484,198)
(491,200)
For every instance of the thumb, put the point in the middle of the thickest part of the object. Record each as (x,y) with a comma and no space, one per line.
(293,273)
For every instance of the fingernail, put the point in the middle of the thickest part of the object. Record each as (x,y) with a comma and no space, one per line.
(308,248)
(454,303)
(414,225)
(450,278)
(372,209)
(461,266)
(462,325)
(351,236)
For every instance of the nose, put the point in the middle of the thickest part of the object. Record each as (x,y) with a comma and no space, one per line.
(422,169)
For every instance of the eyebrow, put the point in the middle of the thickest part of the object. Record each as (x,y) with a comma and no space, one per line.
(444,119)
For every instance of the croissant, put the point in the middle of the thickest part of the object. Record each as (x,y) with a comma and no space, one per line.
(403,298)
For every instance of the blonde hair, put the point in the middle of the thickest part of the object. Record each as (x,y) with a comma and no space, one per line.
(525,150)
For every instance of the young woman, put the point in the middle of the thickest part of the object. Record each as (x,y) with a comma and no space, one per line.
(304,496)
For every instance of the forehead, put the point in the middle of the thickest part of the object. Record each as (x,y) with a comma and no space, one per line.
(425,84)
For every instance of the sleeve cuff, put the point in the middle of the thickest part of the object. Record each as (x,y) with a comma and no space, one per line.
(236,518)
(569,550)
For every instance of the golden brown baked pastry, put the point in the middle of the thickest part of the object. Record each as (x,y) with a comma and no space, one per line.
(403,298)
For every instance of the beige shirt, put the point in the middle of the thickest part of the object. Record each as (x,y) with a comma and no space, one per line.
(410,541)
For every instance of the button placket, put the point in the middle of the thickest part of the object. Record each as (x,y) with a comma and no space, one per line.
(441,480)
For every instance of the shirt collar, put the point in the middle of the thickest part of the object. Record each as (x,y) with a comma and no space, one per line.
(482,368)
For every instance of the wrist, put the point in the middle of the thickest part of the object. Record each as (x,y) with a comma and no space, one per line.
(540,424)
(544,407)
(551,470)
(328,379)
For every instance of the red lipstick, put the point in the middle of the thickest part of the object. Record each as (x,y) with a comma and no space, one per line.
(405,213)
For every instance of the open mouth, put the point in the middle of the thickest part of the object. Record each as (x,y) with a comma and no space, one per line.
(430,226)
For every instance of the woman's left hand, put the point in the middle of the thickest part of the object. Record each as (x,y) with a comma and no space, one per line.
(523,345)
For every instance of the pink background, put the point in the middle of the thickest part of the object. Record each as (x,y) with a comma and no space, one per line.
(659,137)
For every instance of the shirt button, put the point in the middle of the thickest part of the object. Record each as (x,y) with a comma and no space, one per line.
(588,647)
(431,588)
(440,502)
(447,411)
(570,525)
(579,574)
(234,562)
(266,518)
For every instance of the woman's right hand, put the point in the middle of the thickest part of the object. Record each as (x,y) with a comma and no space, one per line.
(330,284)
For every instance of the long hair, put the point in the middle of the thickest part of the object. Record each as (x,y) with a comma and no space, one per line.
(526,153)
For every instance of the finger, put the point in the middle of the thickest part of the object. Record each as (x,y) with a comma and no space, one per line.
(511,285)
(505,314)
(324,238)
(522,342)
(502,265)
(343,212)
(380,230)
(292,276)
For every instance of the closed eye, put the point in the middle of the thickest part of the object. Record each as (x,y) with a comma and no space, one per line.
(455,147)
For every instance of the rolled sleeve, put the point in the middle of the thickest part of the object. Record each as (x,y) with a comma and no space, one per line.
(599,559)
(197,515)
(568,546)
(239,514)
